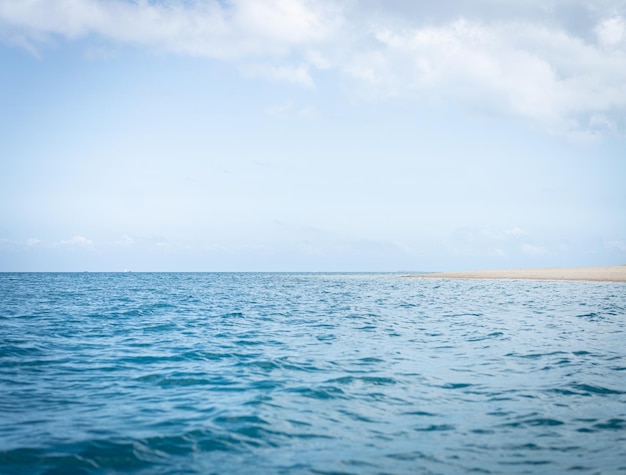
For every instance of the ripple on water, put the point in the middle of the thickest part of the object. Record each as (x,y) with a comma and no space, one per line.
(309,373)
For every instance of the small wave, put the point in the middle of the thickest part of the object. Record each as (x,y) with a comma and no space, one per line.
(374,380)
(534,422)
(231,315)
(240,420)
(420,413)
(369,361)
(323,392)
(20,350)
(435,428)
(267,366)
(611,424)
(589,316)
(456,385)
(249,342)
(487,337)
(590,389)
(412,456)
(526,462)
(181,382)
(535,355)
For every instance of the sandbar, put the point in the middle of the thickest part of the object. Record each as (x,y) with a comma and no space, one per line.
(597,273)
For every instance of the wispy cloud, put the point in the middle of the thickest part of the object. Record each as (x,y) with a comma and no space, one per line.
(516,232)
(125,240)
(618,245)
(77,241)
(472,242)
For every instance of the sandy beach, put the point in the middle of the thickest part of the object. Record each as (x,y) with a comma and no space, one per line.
(598,273)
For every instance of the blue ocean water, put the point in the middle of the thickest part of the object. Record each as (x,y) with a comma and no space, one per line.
(165,373)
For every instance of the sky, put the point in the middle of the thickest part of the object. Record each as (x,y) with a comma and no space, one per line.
(311,135)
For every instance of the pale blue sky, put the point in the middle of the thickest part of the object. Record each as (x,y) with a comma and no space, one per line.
(310,135)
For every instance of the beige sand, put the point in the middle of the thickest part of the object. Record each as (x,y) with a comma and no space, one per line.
(600,273)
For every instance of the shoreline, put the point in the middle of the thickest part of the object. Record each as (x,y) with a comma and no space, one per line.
(593,274)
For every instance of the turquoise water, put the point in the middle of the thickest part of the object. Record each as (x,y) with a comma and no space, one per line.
(310,374)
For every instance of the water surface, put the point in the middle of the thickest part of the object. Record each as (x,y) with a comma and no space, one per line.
(310,374)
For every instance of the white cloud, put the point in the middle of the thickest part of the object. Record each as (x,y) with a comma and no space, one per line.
(516,232)
(199,28)
(20,244)
(77,241)
(521,59)
(7,243)
(139,242)
(611,31)
(125,240)
(544,75)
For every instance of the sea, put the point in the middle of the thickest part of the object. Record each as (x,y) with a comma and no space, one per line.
(309,373)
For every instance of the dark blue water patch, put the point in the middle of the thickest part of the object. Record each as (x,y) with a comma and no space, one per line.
(365,380)
(590,316)
(487,337)
(435,427)
(543,421)
(595,390)
(369,361)
(593,426)
(611,424)
(421,413)
(541,355)
(322,392)
(309,373)
(456,386)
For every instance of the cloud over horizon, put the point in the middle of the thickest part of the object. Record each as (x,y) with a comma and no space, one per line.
(560,66)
